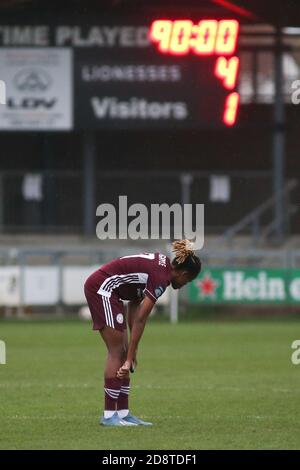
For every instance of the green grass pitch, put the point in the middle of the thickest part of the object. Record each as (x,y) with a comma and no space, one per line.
(205,385)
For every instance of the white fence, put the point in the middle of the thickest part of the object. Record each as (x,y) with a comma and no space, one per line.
(59,281)
(46,285)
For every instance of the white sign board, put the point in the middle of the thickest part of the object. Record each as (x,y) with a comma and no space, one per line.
(10,286)
(41,285)
(219,188)
(38,88)
(74,278)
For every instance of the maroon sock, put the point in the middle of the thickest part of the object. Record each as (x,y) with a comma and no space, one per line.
(111,393)
(124,395)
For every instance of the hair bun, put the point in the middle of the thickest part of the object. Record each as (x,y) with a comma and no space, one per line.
(182,249)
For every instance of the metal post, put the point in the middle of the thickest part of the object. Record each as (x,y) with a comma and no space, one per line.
(174,306)
(22,263)
(1,204)
(255,77)
(255,231)
(174,298)
(48,201)
(89,184)
(186,180)
(57,260)
(278,138)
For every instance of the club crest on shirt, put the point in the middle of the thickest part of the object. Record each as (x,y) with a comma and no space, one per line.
(120,318)
(159,291)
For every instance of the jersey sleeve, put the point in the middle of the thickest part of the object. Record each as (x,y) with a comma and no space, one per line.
(155,288)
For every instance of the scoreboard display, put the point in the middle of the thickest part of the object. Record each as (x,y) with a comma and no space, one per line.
(168,73)
(208,37)
(184,76)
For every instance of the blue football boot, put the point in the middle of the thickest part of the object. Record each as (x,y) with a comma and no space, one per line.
(115,420)
(134,420)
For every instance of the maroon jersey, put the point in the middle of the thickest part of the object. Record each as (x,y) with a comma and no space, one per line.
(133,277)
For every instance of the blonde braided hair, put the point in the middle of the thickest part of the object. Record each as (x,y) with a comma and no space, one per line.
(182,249)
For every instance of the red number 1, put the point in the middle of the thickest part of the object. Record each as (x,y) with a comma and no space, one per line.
(231,108)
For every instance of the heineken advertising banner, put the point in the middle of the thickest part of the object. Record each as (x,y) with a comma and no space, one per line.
(246,286)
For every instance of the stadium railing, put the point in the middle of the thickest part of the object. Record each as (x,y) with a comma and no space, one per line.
(33,278)
(51,202)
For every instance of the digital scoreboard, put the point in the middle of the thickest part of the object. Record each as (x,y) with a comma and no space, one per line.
(182,74)
(208,38)
(128,74)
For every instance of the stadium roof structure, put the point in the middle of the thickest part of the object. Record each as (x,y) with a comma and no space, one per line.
(280,13)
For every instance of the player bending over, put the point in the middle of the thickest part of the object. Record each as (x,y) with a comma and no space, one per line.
(140,279)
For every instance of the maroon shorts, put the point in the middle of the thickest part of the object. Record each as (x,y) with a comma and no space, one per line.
(105,311)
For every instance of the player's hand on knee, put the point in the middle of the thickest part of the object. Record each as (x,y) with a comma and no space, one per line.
(124,370)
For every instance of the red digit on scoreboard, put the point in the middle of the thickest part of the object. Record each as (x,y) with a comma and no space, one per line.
(206,37)
(227,71)
(180,39)
(227,37)
(160,32)
(231,108)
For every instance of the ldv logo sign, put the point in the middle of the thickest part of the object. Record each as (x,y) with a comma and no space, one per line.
(2,92)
